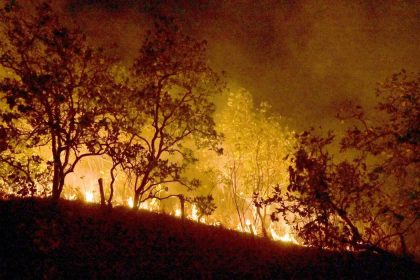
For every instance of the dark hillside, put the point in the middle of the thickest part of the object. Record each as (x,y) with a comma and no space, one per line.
(80,241)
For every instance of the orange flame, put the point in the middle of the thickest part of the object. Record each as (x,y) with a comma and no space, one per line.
(89,196)
(287,237)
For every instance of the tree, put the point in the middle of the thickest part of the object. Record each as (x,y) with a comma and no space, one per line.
(205,205)
(255,143)
(391,145)
(59,88)
(369,199)
(22,172)
(170,111)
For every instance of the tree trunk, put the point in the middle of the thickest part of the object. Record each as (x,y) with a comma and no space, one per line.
(101,191)
(57,187)
(263,225)
(55,194)
(111,186)
(136,201)
(58,178)
(182,201)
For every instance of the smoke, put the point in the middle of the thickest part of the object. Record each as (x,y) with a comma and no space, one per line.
(304,57)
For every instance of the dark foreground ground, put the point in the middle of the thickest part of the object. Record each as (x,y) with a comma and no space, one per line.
(79,241)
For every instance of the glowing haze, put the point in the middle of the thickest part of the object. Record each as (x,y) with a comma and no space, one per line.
(303,57)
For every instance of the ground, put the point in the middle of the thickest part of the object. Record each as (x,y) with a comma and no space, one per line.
(73,240)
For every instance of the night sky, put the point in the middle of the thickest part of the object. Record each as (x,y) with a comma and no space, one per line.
(304,57)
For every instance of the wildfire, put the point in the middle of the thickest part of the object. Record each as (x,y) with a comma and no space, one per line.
(248,228)
(130,202)
(70,197)
(150,205)
(194,213)
(89,196)
(153,205)
(287,237)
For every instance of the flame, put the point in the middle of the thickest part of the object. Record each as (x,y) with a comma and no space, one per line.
(70,197)
(239,227)
(153,205)
(130,202)
(145,206)
(89,196)
(249,227)
(154,202)
(194,213)
(287,237)
(150,205)
(195,217)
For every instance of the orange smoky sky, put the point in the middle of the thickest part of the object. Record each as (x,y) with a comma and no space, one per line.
(303,57)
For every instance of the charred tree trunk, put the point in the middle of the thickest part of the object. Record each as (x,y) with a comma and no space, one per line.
(101,191)
(136,201)
(111,186)
(55,193)
(58,175)
(58,184)
(182,202)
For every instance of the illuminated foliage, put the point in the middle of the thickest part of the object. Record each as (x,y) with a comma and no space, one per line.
(58,88)
(255,143)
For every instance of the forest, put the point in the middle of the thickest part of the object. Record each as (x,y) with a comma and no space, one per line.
(168,133)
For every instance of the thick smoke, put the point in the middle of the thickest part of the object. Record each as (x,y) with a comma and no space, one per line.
(304,57)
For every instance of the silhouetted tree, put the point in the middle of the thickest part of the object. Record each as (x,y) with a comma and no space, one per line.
(22,172)
(57,86)
(171,110)
(368,200)
(390,146)
(205,205)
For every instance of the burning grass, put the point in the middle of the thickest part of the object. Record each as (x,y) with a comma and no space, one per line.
(82,241)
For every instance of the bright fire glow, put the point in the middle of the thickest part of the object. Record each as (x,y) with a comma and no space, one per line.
(70,197)
(145,205)
(287,237)
(130,202)
(247,222)
(249,227)
(153,205)
(89,196)
(194,213)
